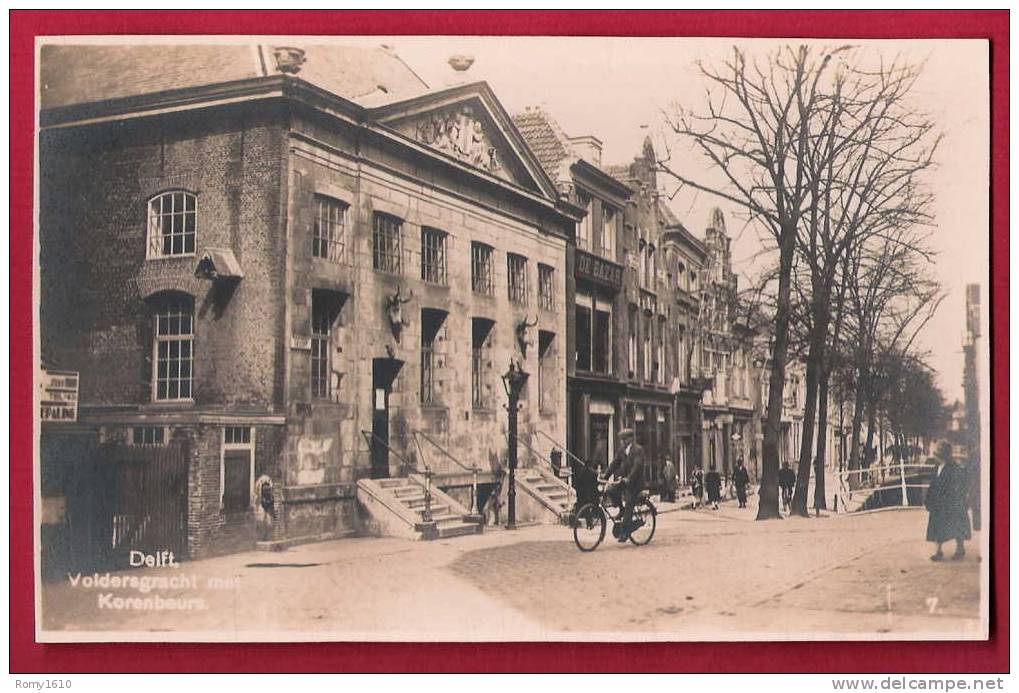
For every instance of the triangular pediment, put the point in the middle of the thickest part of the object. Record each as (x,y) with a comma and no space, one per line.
(468,124)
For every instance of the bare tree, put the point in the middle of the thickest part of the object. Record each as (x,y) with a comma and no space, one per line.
(871,151)
(756,132)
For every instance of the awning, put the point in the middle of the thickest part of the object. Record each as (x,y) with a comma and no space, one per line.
(218,263)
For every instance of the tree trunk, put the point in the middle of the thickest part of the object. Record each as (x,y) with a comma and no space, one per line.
(815,359)
(822,440)
(871,425)
(768,494)
(859,403)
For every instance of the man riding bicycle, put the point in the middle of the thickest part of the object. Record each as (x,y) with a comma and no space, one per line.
(628,466)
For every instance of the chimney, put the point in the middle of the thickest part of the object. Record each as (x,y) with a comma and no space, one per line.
(588,148)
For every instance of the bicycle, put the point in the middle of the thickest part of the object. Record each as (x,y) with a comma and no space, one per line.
(591,520)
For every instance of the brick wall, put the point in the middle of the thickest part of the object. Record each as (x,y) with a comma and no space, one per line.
(95,187)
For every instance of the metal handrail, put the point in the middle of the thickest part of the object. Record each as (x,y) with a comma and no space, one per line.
(426,515)
(561,447)
(539,455)
(473,468)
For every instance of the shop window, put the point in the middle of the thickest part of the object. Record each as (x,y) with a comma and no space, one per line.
(546,287)
(516,278)
(387,243)
(237,468)
(173,360)
(432,321)
(482,281)
(329,235)
(433,255)
(173,221)
(481,337)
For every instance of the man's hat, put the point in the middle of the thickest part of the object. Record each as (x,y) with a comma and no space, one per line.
(626,432)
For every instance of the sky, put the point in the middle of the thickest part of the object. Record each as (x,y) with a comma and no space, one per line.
(618,88)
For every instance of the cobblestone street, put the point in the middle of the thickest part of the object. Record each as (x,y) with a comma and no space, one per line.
(706,575)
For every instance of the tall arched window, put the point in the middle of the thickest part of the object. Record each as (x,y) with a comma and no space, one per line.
(173,353)
(173,222)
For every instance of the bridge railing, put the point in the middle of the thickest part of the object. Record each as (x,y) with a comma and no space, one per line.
(858,485)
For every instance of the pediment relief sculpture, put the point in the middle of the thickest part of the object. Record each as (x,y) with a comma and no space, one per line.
(459,132)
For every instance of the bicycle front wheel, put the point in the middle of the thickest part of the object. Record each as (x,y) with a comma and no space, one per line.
(589,527)
(644,514)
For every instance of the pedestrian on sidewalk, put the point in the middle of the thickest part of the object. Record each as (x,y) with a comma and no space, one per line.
(786,482)
(669,481)
(946,503)
(740,479)
(697,487)
(713,485)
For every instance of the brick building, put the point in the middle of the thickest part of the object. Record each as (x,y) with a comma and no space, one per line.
(633,289)
(596,369)
(300,269)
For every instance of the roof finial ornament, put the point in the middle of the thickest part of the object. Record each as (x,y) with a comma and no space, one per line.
(461,62)
(288,59)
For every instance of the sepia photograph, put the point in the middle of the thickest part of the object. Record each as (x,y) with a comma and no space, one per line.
(512,338)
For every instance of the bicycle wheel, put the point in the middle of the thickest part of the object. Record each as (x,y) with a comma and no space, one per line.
(644,514)
(589,527)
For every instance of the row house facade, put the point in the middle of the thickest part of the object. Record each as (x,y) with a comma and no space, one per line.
(298,261)
(634,287)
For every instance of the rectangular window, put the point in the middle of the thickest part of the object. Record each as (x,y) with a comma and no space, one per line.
(608,232)
(681,357)
(433,255)
(148,436)
(481,269)
(585,224)
(631,343)
(173,220)
(237,469)
(583,336)
(648,374)
(546,287)
(431,324)
(660,346)
(546,370)
(387,246)
(481,330)
(642,260)
(329,235)
(324,310)
(174,353)
(516,278)
(601,338)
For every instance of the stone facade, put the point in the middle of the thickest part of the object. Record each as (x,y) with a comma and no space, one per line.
(311,345)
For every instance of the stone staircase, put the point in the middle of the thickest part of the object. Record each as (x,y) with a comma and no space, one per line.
(548,490)
(396,507)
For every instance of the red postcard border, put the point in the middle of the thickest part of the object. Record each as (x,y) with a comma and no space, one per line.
(27,656)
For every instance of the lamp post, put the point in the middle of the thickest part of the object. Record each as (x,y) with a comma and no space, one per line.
(513,381)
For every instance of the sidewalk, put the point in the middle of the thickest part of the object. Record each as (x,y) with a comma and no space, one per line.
(706,575)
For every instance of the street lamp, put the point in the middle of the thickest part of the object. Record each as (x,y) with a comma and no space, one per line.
(513,381)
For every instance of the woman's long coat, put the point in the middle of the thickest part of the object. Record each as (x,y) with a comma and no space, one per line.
(946,503)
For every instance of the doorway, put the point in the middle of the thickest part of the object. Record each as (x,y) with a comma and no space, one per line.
(384,371)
